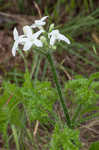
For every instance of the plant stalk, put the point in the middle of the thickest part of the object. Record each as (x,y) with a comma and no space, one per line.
(53,69)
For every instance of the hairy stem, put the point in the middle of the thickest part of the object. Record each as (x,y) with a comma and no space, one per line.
(53,69)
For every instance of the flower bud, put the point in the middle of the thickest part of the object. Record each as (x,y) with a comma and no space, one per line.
(51,27)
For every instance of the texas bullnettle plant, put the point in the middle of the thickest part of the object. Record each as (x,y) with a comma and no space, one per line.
(32,102)
(44,42)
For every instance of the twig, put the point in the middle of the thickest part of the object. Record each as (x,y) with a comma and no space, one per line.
(38,9)
(9,99)
(36,128)
(90,125)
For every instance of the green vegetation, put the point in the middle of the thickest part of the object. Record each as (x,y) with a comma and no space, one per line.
(65,138)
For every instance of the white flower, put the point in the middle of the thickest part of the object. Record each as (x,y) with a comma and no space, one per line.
(18,40)
(55,35)
(39,23)
(31,39)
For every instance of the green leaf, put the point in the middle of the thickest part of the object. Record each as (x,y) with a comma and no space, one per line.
(94,146)
(94,76)
(15,137)
(64,138)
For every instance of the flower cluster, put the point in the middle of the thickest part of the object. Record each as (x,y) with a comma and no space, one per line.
(29,39)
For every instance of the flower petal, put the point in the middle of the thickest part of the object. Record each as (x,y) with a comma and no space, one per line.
(37,34)
(27,45)
(22,40)
(38,43)
(39,23)
(54,32)
(27,30)
(52,40)
(42,19)
(63,38)
(55,35)
(15,34)
(14,48)
(33,26)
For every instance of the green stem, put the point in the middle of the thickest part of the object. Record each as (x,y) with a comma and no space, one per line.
(44,70)
(35,59)
(37,68)
(25,61)
(53,69)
